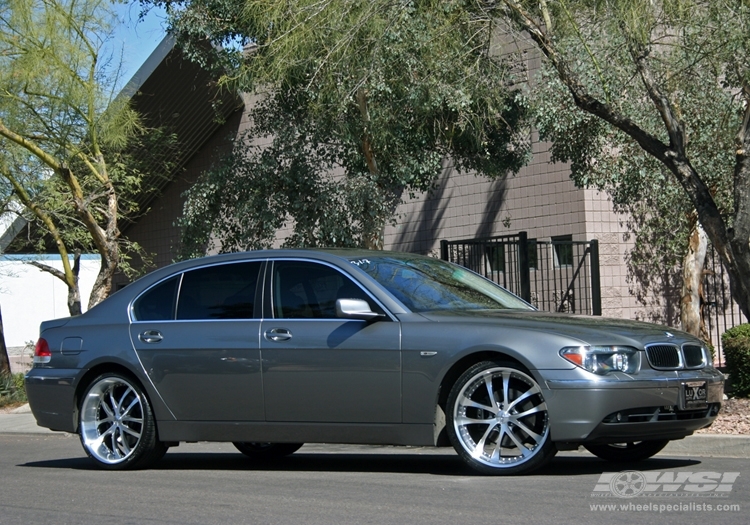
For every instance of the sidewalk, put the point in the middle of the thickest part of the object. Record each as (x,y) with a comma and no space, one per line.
(21,421)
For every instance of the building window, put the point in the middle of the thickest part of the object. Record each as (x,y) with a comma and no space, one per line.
(533,255)
(563,248)
(496,257)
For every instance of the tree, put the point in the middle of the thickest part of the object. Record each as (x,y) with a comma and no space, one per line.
(64,137)
(640,186)
(669,79)
(379,92)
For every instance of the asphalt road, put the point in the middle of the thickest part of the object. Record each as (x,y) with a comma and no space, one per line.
(46,479)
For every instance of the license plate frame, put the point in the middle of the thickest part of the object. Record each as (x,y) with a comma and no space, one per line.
(693,395)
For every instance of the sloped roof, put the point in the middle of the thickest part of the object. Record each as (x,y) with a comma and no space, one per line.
(177,95)
(10,226)
(173,94)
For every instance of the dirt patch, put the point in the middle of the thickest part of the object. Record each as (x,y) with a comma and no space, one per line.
(734,418)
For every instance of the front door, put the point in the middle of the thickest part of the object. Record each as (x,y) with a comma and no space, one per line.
(321,369)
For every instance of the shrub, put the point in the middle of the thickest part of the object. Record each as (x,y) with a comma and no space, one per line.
(736,344)
(12,389)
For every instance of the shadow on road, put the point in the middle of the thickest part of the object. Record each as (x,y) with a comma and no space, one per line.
(441,464)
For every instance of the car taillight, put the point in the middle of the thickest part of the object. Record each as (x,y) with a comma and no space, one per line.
(42,352)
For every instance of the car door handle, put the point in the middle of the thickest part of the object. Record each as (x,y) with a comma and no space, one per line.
(150,336)
(278,334)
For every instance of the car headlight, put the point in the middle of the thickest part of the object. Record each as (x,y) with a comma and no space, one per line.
(604,359)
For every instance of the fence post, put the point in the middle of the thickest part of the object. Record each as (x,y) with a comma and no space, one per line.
(444,250)
(523,267)
(596,283)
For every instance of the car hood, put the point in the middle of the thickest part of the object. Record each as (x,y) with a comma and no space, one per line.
(590,329)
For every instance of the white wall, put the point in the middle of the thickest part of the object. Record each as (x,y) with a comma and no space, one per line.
(29,296)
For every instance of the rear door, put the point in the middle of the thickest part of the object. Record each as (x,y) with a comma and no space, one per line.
(197,337)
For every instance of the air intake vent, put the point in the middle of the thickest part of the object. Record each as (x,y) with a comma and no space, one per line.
(663,356)
(693,356)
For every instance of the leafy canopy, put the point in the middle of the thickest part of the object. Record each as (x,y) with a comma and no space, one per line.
(687,56)
(378,93)
(66,141)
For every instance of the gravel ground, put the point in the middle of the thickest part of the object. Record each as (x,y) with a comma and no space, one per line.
(734,418)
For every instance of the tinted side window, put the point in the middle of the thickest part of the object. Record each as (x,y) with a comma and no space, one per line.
(224,291)
(157,304)
(304,290)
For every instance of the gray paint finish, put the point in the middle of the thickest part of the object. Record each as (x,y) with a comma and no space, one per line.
(465,359)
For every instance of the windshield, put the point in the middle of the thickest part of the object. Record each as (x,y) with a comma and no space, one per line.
(423,284)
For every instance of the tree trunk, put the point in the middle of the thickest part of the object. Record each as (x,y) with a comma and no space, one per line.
(103,283)
(691,311)
(4,359)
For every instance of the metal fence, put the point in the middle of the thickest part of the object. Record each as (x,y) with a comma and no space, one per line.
(560,275)
(720,311)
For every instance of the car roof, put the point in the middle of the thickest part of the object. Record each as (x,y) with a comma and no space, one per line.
(336,256)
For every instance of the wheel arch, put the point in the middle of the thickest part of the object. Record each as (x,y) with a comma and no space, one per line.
(96,371)
(467,361)
(452,375)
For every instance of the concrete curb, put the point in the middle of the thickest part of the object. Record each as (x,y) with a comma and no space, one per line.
(710,446)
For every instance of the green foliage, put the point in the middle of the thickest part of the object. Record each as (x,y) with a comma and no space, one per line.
(692,50)
(71,154)
(12,389)
(377,93)
(736,345)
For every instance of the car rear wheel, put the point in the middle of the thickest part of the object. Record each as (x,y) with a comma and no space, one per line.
(627,452)
(117,426)
(497,420)
(263,451)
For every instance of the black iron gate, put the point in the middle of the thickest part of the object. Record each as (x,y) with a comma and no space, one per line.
(560,275)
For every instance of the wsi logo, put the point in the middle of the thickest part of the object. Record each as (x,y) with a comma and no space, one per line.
(633,483)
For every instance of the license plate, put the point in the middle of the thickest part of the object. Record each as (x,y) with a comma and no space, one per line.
(694,395)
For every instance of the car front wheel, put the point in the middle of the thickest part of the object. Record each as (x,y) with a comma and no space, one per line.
(497,420)
(117,426)
(627,452)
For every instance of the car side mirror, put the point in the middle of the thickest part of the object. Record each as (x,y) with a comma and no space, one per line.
(355,309)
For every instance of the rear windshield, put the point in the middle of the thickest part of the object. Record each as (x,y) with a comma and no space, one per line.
(423,284)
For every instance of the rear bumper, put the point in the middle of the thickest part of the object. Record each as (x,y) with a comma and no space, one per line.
(51,394)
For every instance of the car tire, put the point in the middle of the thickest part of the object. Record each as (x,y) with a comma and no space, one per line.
(116,424)
(266,451)
(627,452)
(495,435)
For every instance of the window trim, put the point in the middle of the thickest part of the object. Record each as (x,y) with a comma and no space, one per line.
(180,276)
(268,309)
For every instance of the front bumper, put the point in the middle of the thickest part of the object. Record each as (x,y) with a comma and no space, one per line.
(616,408)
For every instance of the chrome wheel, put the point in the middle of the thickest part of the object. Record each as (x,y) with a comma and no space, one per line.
(266,450)
(627,452)
(116,425)
(498,421)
